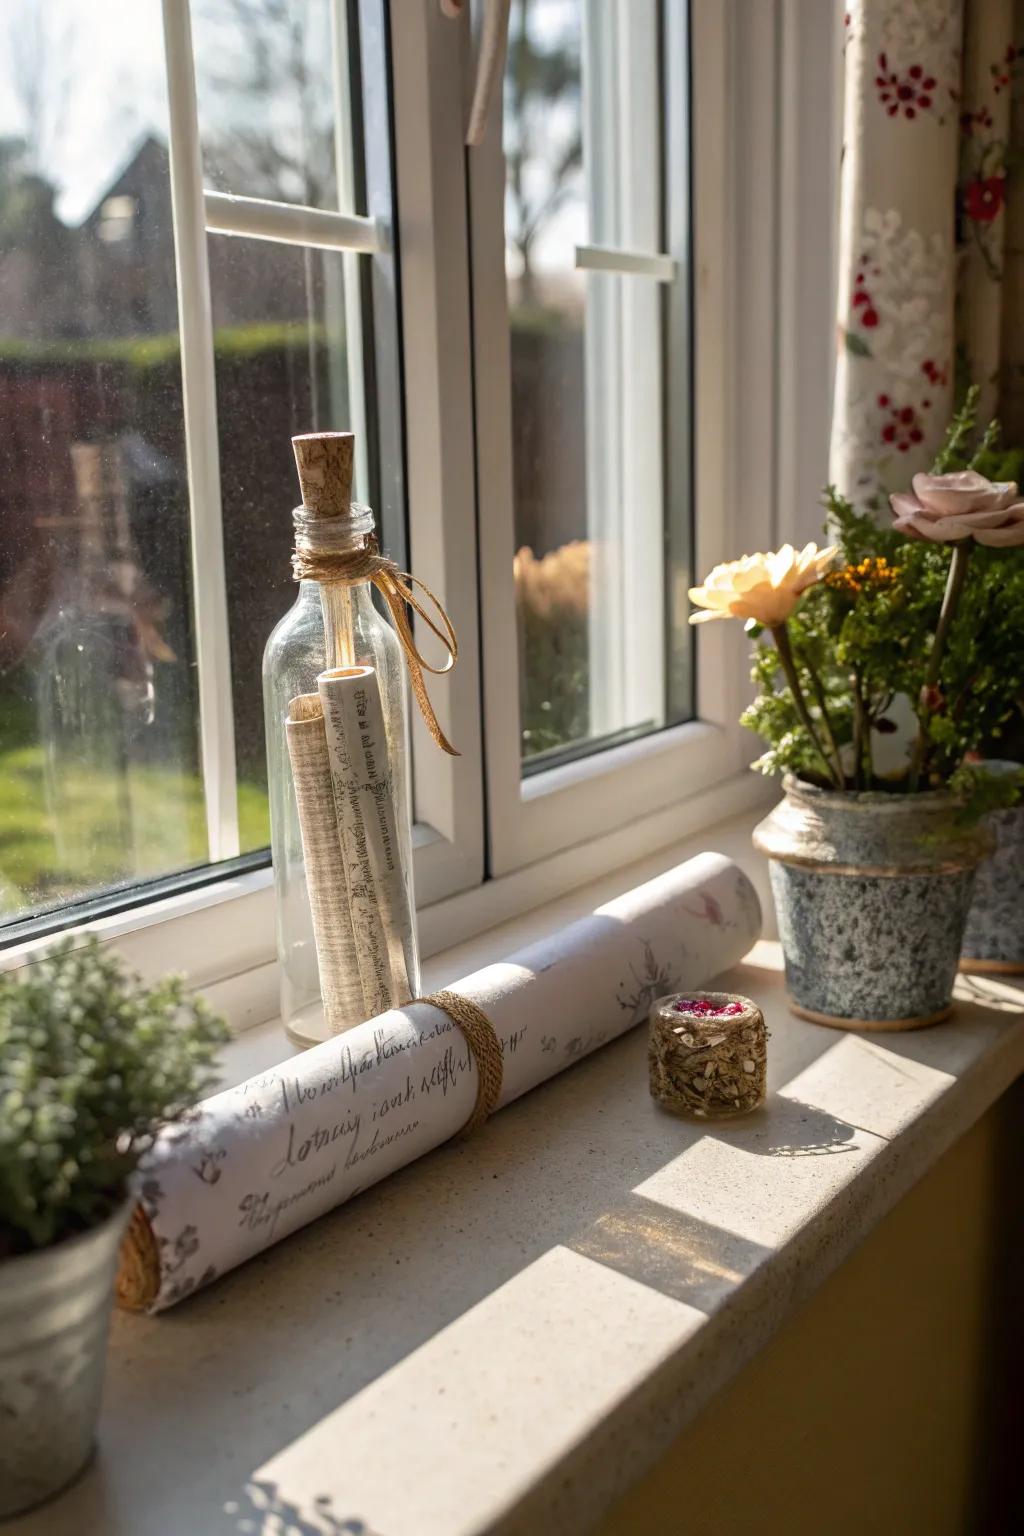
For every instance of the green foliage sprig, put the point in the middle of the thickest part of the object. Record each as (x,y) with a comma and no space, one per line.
(92,1059)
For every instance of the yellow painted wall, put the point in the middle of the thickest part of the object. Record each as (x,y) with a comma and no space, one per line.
(883,1408)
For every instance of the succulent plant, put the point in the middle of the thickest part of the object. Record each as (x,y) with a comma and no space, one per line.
(92,1059)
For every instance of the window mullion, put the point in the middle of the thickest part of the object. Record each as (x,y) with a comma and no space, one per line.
(642,512)
(428,57)
(623,372)
(209,586)
(611,258)
(345,169)
(679,362)
(601,366)
(261,218)
(603,370)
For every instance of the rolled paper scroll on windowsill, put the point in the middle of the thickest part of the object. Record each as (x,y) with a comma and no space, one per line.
(263,1159)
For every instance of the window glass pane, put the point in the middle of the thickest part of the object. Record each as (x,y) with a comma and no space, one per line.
(99,777)
(595,593)
(101,780)
(267,75)
(282,368)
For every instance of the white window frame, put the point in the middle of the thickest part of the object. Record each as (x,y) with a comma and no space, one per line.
(759,267)
(426,50)
(448,844)
(623,356)
(534,818)
(448,836)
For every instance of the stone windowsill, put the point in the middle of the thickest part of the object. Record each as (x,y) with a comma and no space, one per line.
(506,1334)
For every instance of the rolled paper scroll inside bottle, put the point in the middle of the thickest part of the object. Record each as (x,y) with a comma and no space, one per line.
(325,870)
(379,895)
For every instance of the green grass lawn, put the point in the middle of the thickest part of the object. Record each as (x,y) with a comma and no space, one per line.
(109,832)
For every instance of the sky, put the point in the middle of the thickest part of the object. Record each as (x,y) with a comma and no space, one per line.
(85,80)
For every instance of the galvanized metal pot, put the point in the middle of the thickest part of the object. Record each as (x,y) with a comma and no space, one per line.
(54,1316)
(994,939)
(871,893)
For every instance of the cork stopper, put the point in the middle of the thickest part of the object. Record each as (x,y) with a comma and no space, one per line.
(324,463)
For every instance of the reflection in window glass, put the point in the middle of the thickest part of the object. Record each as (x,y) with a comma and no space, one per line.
(281,368)
(100,766)
(582,139)
(99,778)
(265,82)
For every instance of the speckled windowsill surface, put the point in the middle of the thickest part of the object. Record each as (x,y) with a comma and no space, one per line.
(505,1335)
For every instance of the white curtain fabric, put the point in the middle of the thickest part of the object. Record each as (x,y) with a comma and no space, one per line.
(931,260)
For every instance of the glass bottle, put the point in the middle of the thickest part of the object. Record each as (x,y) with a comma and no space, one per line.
(331,624)
(95,690)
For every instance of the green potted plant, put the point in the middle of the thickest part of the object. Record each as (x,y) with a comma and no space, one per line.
(91,1060)
(994,936)
(873,862)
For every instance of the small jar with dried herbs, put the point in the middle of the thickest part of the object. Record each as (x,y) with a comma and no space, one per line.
(707,1054)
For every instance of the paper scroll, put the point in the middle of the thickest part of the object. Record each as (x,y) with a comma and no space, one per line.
(264,1158)
(359,892)
(364,795)
(325,873)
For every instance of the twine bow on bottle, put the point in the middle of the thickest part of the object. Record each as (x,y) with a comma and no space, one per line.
(351,566)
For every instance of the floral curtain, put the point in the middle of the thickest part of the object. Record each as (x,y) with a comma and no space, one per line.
(931,266)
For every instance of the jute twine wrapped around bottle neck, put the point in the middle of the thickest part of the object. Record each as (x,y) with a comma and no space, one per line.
(333,545)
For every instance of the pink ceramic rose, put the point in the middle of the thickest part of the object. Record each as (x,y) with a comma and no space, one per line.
(964,505)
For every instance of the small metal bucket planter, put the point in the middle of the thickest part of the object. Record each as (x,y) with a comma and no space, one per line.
(55,1308)
(871,893)
(994,938)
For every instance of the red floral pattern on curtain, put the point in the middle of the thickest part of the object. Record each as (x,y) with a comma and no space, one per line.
(930,229)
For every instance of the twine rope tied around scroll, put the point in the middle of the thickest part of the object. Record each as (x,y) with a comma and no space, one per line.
(485,1049)
(139,1273)
(397,587)
(138,1270)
